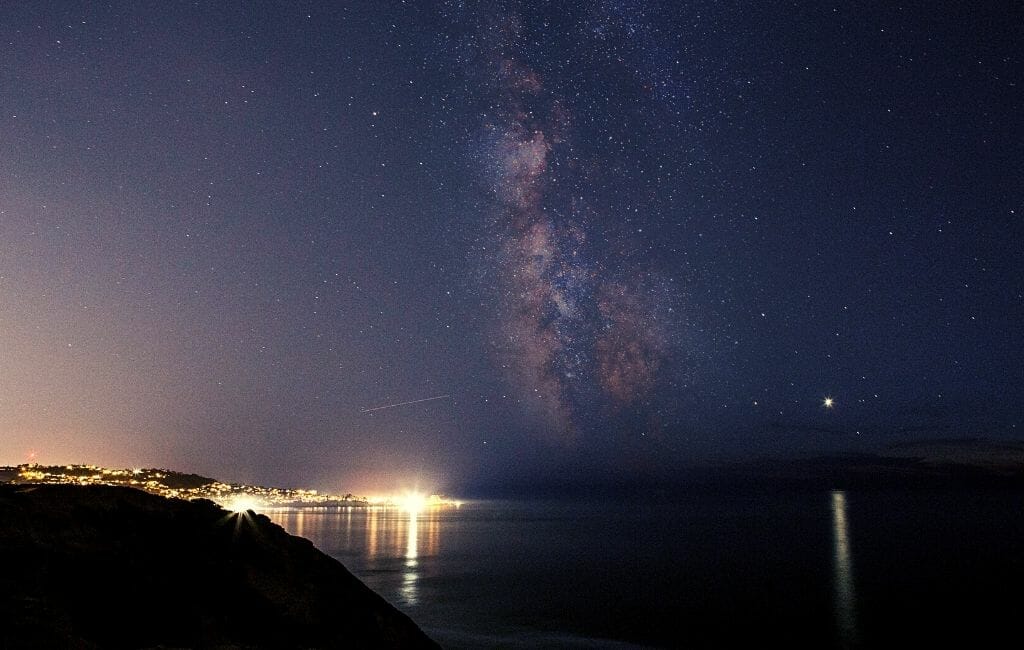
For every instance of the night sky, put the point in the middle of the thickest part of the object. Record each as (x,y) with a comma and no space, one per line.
(616,240)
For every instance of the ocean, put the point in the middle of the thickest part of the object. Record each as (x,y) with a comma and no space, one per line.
(798,569)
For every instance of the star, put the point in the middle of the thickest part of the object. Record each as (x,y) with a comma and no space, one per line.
(828,402)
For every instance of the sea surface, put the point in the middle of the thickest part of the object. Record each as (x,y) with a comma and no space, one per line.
(822,569)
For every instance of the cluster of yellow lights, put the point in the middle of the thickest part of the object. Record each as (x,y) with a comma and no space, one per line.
(411,501)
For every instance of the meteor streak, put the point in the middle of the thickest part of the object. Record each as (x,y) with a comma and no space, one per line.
(415,401)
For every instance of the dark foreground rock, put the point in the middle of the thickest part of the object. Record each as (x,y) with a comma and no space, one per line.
(110,567)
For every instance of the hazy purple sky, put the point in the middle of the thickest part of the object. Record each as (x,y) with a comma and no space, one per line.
(622,237)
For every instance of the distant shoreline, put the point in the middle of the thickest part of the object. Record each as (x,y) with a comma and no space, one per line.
(179,485)
(923,464)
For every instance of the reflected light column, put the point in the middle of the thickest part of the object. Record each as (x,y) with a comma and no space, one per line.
(371,532)
(845,599)
(433,535)
(411,575)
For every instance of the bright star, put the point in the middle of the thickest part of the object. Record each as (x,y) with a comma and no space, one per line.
(828,402)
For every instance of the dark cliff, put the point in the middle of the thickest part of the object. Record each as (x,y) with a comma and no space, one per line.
(110,567)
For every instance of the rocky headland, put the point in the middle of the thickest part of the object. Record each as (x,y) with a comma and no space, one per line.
(114,567)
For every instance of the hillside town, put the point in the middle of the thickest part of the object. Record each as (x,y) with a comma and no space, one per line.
(178,485)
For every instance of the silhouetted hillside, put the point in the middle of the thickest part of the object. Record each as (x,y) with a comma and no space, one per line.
(938,463)
(931,463)
(112,567)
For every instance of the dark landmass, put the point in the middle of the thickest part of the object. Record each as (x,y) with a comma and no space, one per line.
(115,567)
(945,463)
(933,463)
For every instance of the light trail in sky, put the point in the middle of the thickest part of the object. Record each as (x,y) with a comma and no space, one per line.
(391,406)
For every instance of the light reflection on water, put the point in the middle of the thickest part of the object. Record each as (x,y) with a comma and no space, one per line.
(410,575)
(389,539)
(494,552)
(372,535)
(845,599)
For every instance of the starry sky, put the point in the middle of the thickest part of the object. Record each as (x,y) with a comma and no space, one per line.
(615,239)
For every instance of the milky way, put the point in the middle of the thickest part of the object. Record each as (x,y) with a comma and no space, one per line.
(580,334)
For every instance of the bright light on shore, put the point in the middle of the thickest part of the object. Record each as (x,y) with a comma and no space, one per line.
(243,503)
(411,501)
